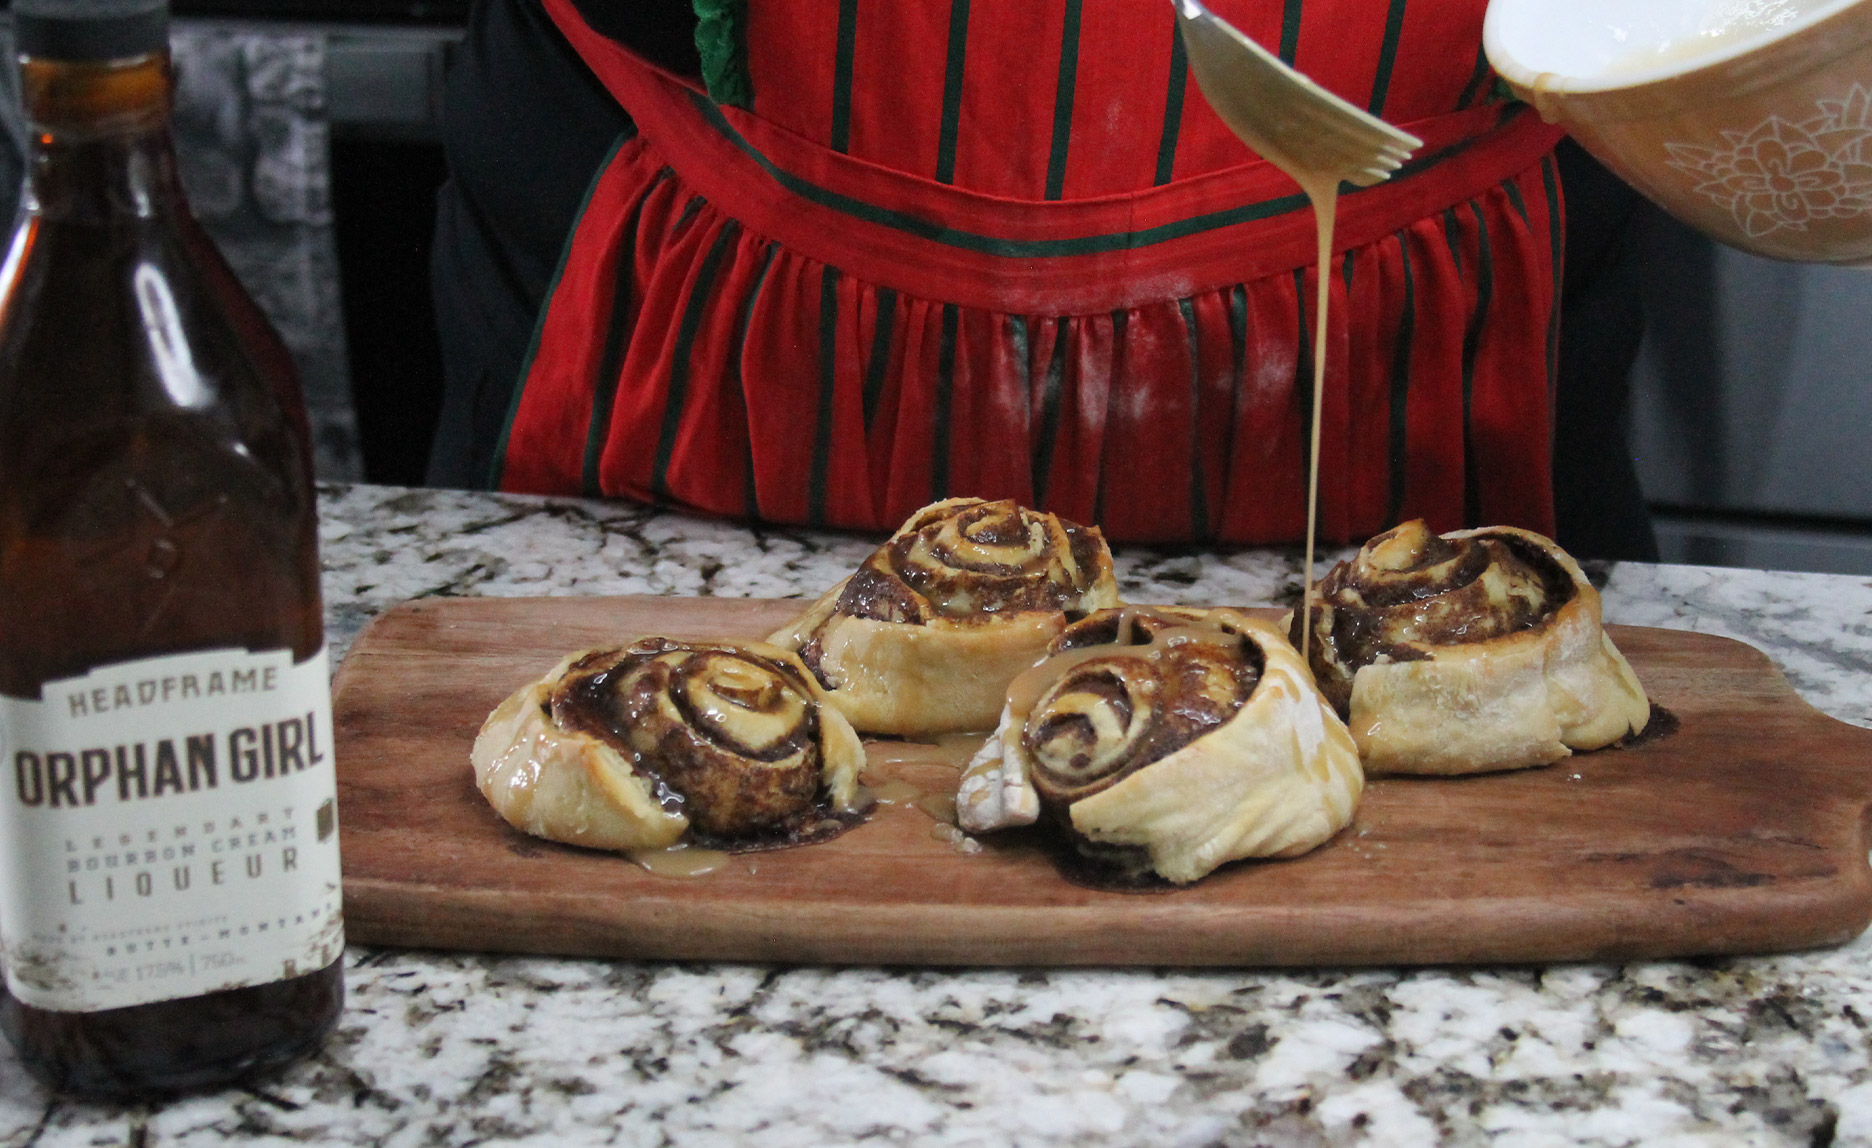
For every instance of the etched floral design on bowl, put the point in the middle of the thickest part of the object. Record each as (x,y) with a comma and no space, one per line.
(1782,174)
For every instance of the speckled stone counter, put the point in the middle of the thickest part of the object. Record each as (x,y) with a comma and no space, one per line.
(460,1049)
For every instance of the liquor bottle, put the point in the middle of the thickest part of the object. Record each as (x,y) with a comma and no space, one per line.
(169,880)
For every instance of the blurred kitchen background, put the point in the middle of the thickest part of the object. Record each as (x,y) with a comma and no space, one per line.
(309,136)
(1752,406)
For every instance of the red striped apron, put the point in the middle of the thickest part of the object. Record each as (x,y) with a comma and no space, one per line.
(828,308)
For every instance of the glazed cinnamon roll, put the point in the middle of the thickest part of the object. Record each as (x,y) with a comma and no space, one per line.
(1167,739)
(665,741)
(1477,650)
(928,632)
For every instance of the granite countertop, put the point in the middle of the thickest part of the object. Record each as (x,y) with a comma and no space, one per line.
(460,1049)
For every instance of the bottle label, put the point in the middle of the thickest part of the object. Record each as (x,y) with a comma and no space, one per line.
(168,828)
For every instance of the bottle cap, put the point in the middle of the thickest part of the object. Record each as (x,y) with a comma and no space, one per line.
(85,30)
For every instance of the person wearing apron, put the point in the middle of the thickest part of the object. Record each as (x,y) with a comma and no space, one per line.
(822,262)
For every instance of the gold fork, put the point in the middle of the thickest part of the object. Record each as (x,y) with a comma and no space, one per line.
(1282,114)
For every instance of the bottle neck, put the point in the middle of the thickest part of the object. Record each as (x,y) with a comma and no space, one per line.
(100,145)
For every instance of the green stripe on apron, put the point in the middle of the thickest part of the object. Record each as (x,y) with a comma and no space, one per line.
(1387,57)
(1400,384)
(952,91)
(1199,493)
(828,379)
(1063,102)
(842,75)
(879,365)
(1021,341)
(1173,109)
(750,495)
(1514,197)
(1478,80)
(1472,341)
(1120,319)
(1050,412)
(945,388)
(1238,349)
(611,359)
(687,214)
(1291,15)
(700,295)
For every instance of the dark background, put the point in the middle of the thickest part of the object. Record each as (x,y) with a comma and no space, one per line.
(384,176)
(383,209)
(399,11)
(384,182)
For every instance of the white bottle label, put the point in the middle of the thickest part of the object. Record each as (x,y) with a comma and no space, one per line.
(169,827)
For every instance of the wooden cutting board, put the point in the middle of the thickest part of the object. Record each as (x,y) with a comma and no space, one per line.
(1743,831)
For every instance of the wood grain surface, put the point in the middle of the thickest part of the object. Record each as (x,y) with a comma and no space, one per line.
(1743,831)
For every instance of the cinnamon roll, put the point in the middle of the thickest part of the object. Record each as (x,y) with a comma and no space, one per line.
(924,637)
(665,741)
(1168,739)
(1474,651)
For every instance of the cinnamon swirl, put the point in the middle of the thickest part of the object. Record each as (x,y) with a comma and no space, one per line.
(924,637)
(664,741)
(1171,739)
(1474,651)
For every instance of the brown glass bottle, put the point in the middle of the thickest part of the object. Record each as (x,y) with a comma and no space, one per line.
(156,494)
